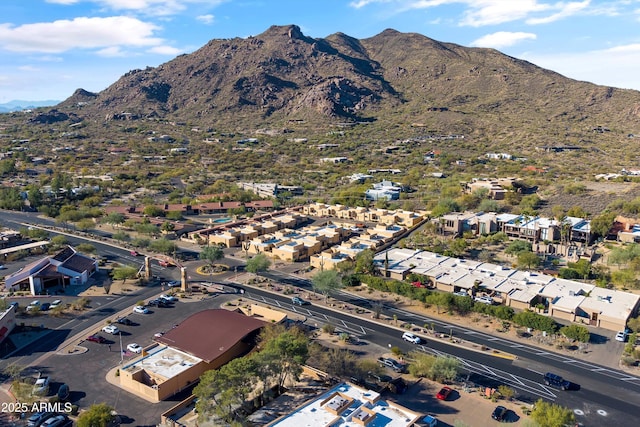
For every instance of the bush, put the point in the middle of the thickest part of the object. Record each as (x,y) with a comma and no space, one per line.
(576,332)
(529,319)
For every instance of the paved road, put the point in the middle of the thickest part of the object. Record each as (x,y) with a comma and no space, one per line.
(604,393)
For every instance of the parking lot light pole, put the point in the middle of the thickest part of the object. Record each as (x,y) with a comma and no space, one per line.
(121,350)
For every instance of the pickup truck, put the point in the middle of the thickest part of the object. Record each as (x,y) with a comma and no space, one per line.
(41,387)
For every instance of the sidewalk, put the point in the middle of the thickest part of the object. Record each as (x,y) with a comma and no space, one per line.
(599,353)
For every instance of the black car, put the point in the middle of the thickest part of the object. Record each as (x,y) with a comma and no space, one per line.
(556,381)
(38,418)
(158,303)
(124,321)
(499,414)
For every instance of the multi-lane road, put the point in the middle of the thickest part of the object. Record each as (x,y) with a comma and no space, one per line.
(603,396)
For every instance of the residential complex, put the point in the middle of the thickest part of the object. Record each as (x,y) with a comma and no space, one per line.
(562,299)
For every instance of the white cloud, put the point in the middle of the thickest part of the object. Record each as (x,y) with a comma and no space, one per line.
(165,50)
(80,33)
(150,7)
(28,68)
(111,52)
(502,39)
(206,19)
(595,66)
(566,10)
(480,13)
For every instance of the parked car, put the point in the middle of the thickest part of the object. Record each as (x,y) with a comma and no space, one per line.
(430,421)
(499,414)
(2,267)
(55,303)
(158,302)
(124,321)
(484,300)
(63,392)
(45,306)
(140,309)
(33,304)
(299,301)
(391,363)
(557,381)
(55,421)
(41,387)
(15,305)
(174,284)
(461,294)
(170,298)
(158,334)
(622,336)
(134,348)
(111,329)
(444,393)
(408,336)
(36,419)
(96,338)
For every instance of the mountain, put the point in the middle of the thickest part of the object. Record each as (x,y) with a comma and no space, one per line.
(18,105)
(282,76)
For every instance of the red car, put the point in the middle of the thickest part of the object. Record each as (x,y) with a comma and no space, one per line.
(96,338)
(444,393)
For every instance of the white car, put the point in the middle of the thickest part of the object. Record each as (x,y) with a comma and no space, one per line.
(408,336)
(134,348)
(158,334)
(140,309)
(168,297)
(55,304)
(484,300)
(621,336)
(174,284)
(111,329)
(33,304)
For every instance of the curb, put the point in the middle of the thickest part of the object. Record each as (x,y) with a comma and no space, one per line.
(488,352)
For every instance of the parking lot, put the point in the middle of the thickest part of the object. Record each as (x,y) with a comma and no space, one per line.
(84,365)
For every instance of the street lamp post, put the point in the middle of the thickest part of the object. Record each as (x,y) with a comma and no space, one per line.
(121,350)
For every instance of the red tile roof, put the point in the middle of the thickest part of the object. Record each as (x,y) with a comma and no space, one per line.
(210,333)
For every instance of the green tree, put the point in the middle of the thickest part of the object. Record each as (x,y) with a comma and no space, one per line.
(517,246)
(458,246)
(164,246)
(528,260)
(121,236)
(634,324)
(211,254)
(59,240)
(85,224)
(364,262)
(98,415)
(223,391)
(86,248)
(114,219)
(548,414)
(326,282)
(152,211)
(576,332)
(123,273)
(283,355)
(601,224)
(582,266)
(258,263)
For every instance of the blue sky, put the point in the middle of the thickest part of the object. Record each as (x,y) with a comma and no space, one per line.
(50,48)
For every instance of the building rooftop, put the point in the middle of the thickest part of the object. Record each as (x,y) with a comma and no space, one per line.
(210,333)
(346,405)
(164,362)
